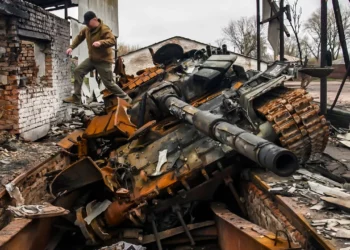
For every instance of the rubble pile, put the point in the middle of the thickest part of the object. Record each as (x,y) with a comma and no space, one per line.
(326,197)
(79,114)
(341,137)
(17,156)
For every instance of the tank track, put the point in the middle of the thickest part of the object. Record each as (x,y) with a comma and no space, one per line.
(296,121)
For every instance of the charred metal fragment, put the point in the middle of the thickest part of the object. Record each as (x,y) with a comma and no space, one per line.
(250,236)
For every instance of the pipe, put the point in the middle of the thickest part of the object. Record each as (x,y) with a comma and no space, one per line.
(258,27)
(281,30)
(323,94)
(66,9)
(156,234)
(268,155)
(177,209)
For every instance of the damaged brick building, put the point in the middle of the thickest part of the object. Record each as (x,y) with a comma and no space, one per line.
(34,69)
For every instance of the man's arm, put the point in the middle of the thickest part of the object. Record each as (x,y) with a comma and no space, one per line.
(108,39)
(78,39)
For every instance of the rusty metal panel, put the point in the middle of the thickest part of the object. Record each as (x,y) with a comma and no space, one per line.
(12,229)
(77,175)
(26,234)
(236,233)
(117,121)
(70,140)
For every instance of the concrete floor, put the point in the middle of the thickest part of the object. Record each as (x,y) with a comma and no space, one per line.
(332,89)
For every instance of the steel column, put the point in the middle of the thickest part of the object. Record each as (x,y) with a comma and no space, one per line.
(281,30)
(258,32)
(66,9)
(323,94)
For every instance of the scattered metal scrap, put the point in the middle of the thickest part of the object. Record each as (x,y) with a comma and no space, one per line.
(321,194)
(123,246)
(14,193)
(37,211)
(341,137)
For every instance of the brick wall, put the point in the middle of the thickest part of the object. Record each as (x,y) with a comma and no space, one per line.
(27,109)
(265,213)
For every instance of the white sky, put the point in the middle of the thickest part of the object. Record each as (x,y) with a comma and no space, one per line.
(146,22)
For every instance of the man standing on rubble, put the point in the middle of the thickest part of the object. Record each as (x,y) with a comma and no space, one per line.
(100,41)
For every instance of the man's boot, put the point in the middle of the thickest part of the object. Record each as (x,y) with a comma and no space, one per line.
(72,99)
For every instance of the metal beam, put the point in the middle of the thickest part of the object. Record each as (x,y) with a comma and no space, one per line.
(258,41)
(323,94)
(275,10)
(339,21)
(239,234)
(281,30)
(66,9)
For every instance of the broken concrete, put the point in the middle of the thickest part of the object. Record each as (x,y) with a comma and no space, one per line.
(36,133)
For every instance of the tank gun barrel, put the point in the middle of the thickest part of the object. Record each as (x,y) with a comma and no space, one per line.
(267,154)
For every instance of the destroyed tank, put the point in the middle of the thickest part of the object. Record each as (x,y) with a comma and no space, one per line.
(197,123)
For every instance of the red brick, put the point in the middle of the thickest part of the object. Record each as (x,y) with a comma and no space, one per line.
(10,107)
(14,131)
(11,97)
(8,126)
(13,77)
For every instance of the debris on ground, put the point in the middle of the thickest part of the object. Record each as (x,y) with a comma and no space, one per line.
(37,211)
(341,137)
(323,192)
(123,246)
(22,156)
(15,193)
(79,115)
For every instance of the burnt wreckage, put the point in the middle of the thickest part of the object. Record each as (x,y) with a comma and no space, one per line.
(197,123)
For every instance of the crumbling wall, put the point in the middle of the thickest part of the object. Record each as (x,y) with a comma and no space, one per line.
(32,99)
(264,212)
(8,75)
